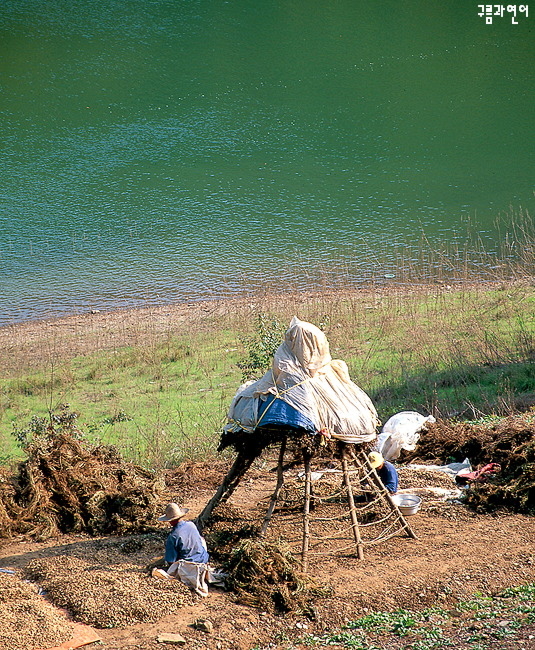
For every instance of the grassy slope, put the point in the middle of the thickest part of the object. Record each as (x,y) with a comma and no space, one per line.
(467,351)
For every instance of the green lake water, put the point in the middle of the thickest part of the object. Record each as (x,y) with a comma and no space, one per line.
(166,150)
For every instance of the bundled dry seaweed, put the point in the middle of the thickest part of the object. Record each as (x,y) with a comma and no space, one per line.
(67,485)
(7,505)
(266,575)
(228,526)
(509,442)
(107,596)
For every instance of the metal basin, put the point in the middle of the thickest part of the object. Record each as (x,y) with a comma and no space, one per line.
(409,504)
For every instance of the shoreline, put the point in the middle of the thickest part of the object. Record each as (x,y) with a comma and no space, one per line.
(101,330)
(406,346)
(262,294)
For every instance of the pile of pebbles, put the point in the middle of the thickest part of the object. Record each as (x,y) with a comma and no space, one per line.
(28,620)
(424,478)
(107,596)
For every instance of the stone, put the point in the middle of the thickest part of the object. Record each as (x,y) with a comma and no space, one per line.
(176,639)
(204,625)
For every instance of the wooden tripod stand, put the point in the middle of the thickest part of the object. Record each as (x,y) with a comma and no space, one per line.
(362,492)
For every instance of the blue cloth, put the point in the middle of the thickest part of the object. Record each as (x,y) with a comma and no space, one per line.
(389,476)
(276,411)
(184,542)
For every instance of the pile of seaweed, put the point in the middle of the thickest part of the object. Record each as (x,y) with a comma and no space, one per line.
(186,477)
(68,485)
(508,441)
(227,527)
(267,576)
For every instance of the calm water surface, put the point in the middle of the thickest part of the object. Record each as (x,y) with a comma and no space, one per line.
(166,150)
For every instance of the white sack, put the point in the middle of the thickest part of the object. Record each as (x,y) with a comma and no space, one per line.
(196,575)
(401,431)
(305,376)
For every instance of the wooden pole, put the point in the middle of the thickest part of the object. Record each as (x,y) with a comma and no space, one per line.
(306,513)
(241,464)
(352,510)
(275,495)
(386,494)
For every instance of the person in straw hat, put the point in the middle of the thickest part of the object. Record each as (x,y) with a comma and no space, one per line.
(184,542)
(386,471)
(186,552)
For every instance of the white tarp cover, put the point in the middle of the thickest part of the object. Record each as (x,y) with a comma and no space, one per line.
(305,376)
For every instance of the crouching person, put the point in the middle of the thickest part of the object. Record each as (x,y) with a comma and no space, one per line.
(386,471)
(187,554)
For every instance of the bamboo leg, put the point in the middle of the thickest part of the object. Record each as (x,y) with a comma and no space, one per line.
(386,494)
(352,511)
(306,514)
(275,495)
(230,483)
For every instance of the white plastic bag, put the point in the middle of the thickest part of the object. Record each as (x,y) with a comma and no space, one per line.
(401,431)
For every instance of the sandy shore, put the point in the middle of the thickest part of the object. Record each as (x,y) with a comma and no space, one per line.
(32,341)
(86,333)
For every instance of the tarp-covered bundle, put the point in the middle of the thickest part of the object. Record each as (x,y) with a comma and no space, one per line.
(305,390)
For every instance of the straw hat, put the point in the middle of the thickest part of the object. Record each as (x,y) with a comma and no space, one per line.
(172,512)
(376,460)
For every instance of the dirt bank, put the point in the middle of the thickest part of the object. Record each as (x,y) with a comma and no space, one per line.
(34,341)
(457,552)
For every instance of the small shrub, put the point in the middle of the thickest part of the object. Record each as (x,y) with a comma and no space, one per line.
(261,347)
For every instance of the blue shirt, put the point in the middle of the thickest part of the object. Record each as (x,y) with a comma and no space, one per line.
(184,542)
(389,476)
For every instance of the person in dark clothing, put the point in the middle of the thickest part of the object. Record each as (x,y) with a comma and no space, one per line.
(386,471)
(184,542)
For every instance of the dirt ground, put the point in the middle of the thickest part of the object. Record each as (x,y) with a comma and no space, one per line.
(457,552)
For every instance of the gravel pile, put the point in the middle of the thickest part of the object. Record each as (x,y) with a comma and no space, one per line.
(28,621)
(107,596)
(422,478)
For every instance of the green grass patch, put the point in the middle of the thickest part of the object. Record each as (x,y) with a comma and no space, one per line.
(473,624)
(468,352)
(157,404)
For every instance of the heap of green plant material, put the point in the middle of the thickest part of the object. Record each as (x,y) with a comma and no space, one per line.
(510,442)
(266,575)
(68,485)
